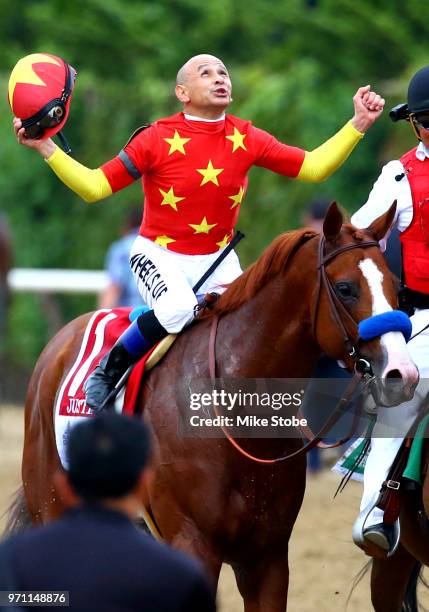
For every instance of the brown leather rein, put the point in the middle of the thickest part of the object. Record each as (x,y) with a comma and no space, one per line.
(362,367)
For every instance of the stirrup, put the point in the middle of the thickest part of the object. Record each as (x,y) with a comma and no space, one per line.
(360,524)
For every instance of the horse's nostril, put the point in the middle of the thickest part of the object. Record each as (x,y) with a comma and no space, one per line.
(393,374)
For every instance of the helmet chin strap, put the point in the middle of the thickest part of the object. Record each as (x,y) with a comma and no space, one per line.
(64,143)
(414,128)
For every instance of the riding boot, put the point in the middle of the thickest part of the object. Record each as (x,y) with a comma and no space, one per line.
(381,535)
(135,341)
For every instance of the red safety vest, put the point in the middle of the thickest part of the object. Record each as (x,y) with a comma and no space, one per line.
(415,239)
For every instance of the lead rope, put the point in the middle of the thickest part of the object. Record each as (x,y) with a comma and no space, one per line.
(419,332)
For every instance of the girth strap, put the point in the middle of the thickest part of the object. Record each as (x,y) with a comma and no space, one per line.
(390,495)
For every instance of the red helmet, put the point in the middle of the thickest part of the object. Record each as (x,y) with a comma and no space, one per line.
(39,93)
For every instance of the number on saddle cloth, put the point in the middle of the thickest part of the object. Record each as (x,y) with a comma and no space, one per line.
(377,325)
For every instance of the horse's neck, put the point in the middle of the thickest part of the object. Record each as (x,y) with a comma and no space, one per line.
(270,336)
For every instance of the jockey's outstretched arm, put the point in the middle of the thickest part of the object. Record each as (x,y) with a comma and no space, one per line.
(317,165)
(320,163)
(90,185)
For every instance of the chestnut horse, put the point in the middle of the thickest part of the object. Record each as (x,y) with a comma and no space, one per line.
(5,265)
(274,321)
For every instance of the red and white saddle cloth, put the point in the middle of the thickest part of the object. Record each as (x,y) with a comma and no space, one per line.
(101,333)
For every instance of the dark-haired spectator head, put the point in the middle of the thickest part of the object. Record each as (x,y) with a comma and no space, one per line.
(315,214)
(107,455)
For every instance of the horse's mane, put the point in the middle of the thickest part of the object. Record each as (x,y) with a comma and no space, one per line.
(272,261)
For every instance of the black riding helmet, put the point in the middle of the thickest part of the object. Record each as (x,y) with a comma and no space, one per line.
(416,111)
(418,91)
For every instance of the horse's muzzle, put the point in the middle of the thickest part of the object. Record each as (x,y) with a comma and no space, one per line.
(395,387)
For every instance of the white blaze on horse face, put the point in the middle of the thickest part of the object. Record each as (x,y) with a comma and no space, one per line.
(398,357)
(374,278)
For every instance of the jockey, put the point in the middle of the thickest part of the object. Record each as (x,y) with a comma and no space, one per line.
(407,181)
(194,166)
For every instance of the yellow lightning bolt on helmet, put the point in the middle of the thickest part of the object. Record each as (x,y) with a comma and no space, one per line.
(39,93)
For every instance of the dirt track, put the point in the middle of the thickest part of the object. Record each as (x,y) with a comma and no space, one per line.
(323,560)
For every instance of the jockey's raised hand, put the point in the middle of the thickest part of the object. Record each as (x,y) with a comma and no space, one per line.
(44,147)
(368,108)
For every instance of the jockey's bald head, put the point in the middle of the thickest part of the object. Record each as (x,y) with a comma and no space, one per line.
(192,65)
(203,87)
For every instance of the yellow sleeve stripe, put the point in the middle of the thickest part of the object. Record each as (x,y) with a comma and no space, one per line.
(319,164)
(90,185)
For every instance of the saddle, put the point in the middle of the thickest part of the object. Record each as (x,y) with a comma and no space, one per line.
(101,333)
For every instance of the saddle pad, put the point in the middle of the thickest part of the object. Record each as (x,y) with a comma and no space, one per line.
(347,459)
(101,333)
(412,470)
(414,464)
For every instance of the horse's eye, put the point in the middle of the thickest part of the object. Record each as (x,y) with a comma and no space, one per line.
(346,291)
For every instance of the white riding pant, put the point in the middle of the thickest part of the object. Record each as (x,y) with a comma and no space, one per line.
(165,280)
(393,423)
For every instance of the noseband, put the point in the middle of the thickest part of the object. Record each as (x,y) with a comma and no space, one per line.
(337,308)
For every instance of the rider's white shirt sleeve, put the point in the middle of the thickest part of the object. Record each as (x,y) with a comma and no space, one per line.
(385,191)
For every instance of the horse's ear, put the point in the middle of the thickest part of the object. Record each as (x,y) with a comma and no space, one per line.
(380,226)
(333,222)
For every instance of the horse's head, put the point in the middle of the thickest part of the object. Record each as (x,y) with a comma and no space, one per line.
(354,311)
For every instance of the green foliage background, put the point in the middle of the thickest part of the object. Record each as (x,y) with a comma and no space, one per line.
(295,66)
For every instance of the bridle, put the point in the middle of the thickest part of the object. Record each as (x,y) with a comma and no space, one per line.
(363,370)
(336,307)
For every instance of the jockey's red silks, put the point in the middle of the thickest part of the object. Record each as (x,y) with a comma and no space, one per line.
(195,177)
(36,81)
(415,239)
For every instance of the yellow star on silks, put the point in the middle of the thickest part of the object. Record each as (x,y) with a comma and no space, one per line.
(237,140)
(164,241)
(203,227)
(24,72)
(223,242)
(170,198)
(237,198)
(209,174)
(177,143)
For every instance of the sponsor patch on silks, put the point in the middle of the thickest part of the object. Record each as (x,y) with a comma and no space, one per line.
(101,333)
(347,460)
